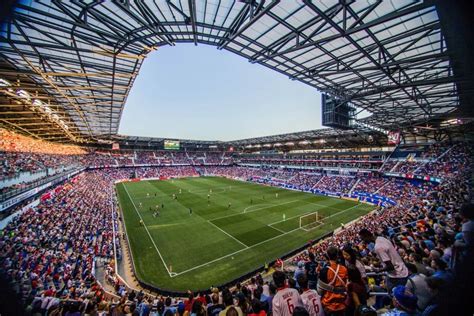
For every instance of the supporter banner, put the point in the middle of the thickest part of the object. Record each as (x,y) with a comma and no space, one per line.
(413,176)
(393,138)
(46,196)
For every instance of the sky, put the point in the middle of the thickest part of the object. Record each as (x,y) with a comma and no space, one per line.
(201,93)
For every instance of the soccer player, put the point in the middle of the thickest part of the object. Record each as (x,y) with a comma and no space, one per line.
(148,195)
(140,204)
(251,201)
(310,298)
(155,194)
(208,197)
(286,299)
(141,222)
(174,196)
(276,195)
(162,206)
(180,191)
(284,217)
(190,211)
(229,205)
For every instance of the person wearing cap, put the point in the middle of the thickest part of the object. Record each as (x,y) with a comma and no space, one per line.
(416,284)
(405,303)
(299,271)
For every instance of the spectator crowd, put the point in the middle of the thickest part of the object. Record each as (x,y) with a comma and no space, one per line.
(413,258)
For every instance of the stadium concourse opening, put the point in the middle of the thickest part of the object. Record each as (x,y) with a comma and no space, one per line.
(93,222)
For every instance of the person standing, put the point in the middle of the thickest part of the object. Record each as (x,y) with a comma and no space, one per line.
(332,284)
(392,263)
(311,271)
(286,299)
(311,299)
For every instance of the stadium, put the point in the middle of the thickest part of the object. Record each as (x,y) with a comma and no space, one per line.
(369,213)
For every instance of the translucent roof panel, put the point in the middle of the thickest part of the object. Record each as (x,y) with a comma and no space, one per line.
(387,57)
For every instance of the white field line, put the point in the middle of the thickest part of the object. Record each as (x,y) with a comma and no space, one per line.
(233,253)
(286,219)
(256,205)
(281,231)
(227,234)
(149,235)
(310,229)
(322,205)
(257,244)
(268,205)
(215,190)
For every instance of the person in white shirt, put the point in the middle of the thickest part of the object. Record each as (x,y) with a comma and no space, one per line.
(311,299)
(392,263)
(286,299)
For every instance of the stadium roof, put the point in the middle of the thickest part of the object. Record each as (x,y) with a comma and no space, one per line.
(80,58)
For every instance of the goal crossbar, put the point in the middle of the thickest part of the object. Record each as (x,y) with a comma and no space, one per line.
(311,221)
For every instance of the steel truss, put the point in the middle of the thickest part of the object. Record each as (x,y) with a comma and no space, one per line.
(82,57)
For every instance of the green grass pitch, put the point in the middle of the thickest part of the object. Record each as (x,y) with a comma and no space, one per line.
(217,243)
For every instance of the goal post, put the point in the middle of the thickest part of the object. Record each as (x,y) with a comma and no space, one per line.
(311,221)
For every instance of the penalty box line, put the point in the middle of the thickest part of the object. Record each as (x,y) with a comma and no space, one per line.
(306,213)
(257,244)
(148,232)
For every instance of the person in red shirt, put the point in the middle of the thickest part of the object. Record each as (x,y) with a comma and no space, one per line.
(188,304)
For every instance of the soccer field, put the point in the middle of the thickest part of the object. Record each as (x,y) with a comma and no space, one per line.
(215,244)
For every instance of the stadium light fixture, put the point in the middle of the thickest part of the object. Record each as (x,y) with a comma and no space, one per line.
(455,121)
(4,83)
(289,144)
(37,102)
(278,144)
(23,94)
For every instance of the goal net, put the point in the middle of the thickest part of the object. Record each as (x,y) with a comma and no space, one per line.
(311,221)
